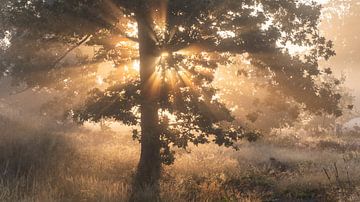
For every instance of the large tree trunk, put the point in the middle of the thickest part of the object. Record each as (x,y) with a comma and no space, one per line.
(146,182)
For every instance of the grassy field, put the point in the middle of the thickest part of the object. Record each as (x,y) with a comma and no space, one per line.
(39,163)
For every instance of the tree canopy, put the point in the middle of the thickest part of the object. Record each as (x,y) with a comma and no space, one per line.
(191,39)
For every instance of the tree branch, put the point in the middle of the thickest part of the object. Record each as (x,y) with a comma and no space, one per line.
(20,91)
(81,42)
(123,34)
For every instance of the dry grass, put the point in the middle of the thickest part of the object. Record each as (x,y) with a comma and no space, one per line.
(95,165)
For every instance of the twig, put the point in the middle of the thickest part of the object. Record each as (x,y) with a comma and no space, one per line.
(123,34)
(348,176)
(336,173)
(82,41)
(20,91)
(327,174)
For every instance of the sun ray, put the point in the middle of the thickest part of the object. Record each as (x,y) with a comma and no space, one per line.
(159,13)
(154,84)
(191,49)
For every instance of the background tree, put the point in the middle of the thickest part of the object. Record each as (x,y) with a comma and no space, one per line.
(178,44)
(259,106)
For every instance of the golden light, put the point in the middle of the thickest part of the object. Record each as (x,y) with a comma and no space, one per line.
(191,49)
(181,29)
(172,119)
(154,83)
(99,80)
(159,15)
(185,77)
(294,49)
(136,65)
(164,54)
(322,1)
(173,76)
(132,29)
(226,34)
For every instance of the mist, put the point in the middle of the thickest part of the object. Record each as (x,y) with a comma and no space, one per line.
(229,125)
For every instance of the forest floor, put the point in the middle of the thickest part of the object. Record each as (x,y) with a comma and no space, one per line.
(89,164)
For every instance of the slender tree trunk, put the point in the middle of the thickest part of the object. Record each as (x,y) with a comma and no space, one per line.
(146,182)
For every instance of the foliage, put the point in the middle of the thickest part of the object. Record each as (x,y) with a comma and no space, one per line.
(193,38)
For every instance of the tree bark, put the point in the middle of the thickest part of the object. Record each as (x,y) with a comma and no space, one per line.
(146,183)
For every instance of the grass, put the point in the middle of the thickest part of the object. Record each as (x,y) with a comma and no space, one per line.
(87,164)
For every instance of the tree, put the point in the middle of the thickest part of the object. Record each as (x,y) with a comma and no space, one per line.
(179,45)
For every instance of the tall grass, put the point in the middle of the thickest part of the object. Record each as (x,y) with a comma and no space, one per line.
(88,164)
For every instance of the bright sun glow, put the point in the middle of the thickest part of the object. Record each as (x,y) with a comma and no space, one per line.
(226,34)
(99,80)
(294,49)
(323,1)
(132,30)
(136,65)
(165,54)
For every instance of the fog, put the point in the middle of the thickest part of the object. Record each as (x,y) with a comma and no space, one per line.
(298,155)
(343,28)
